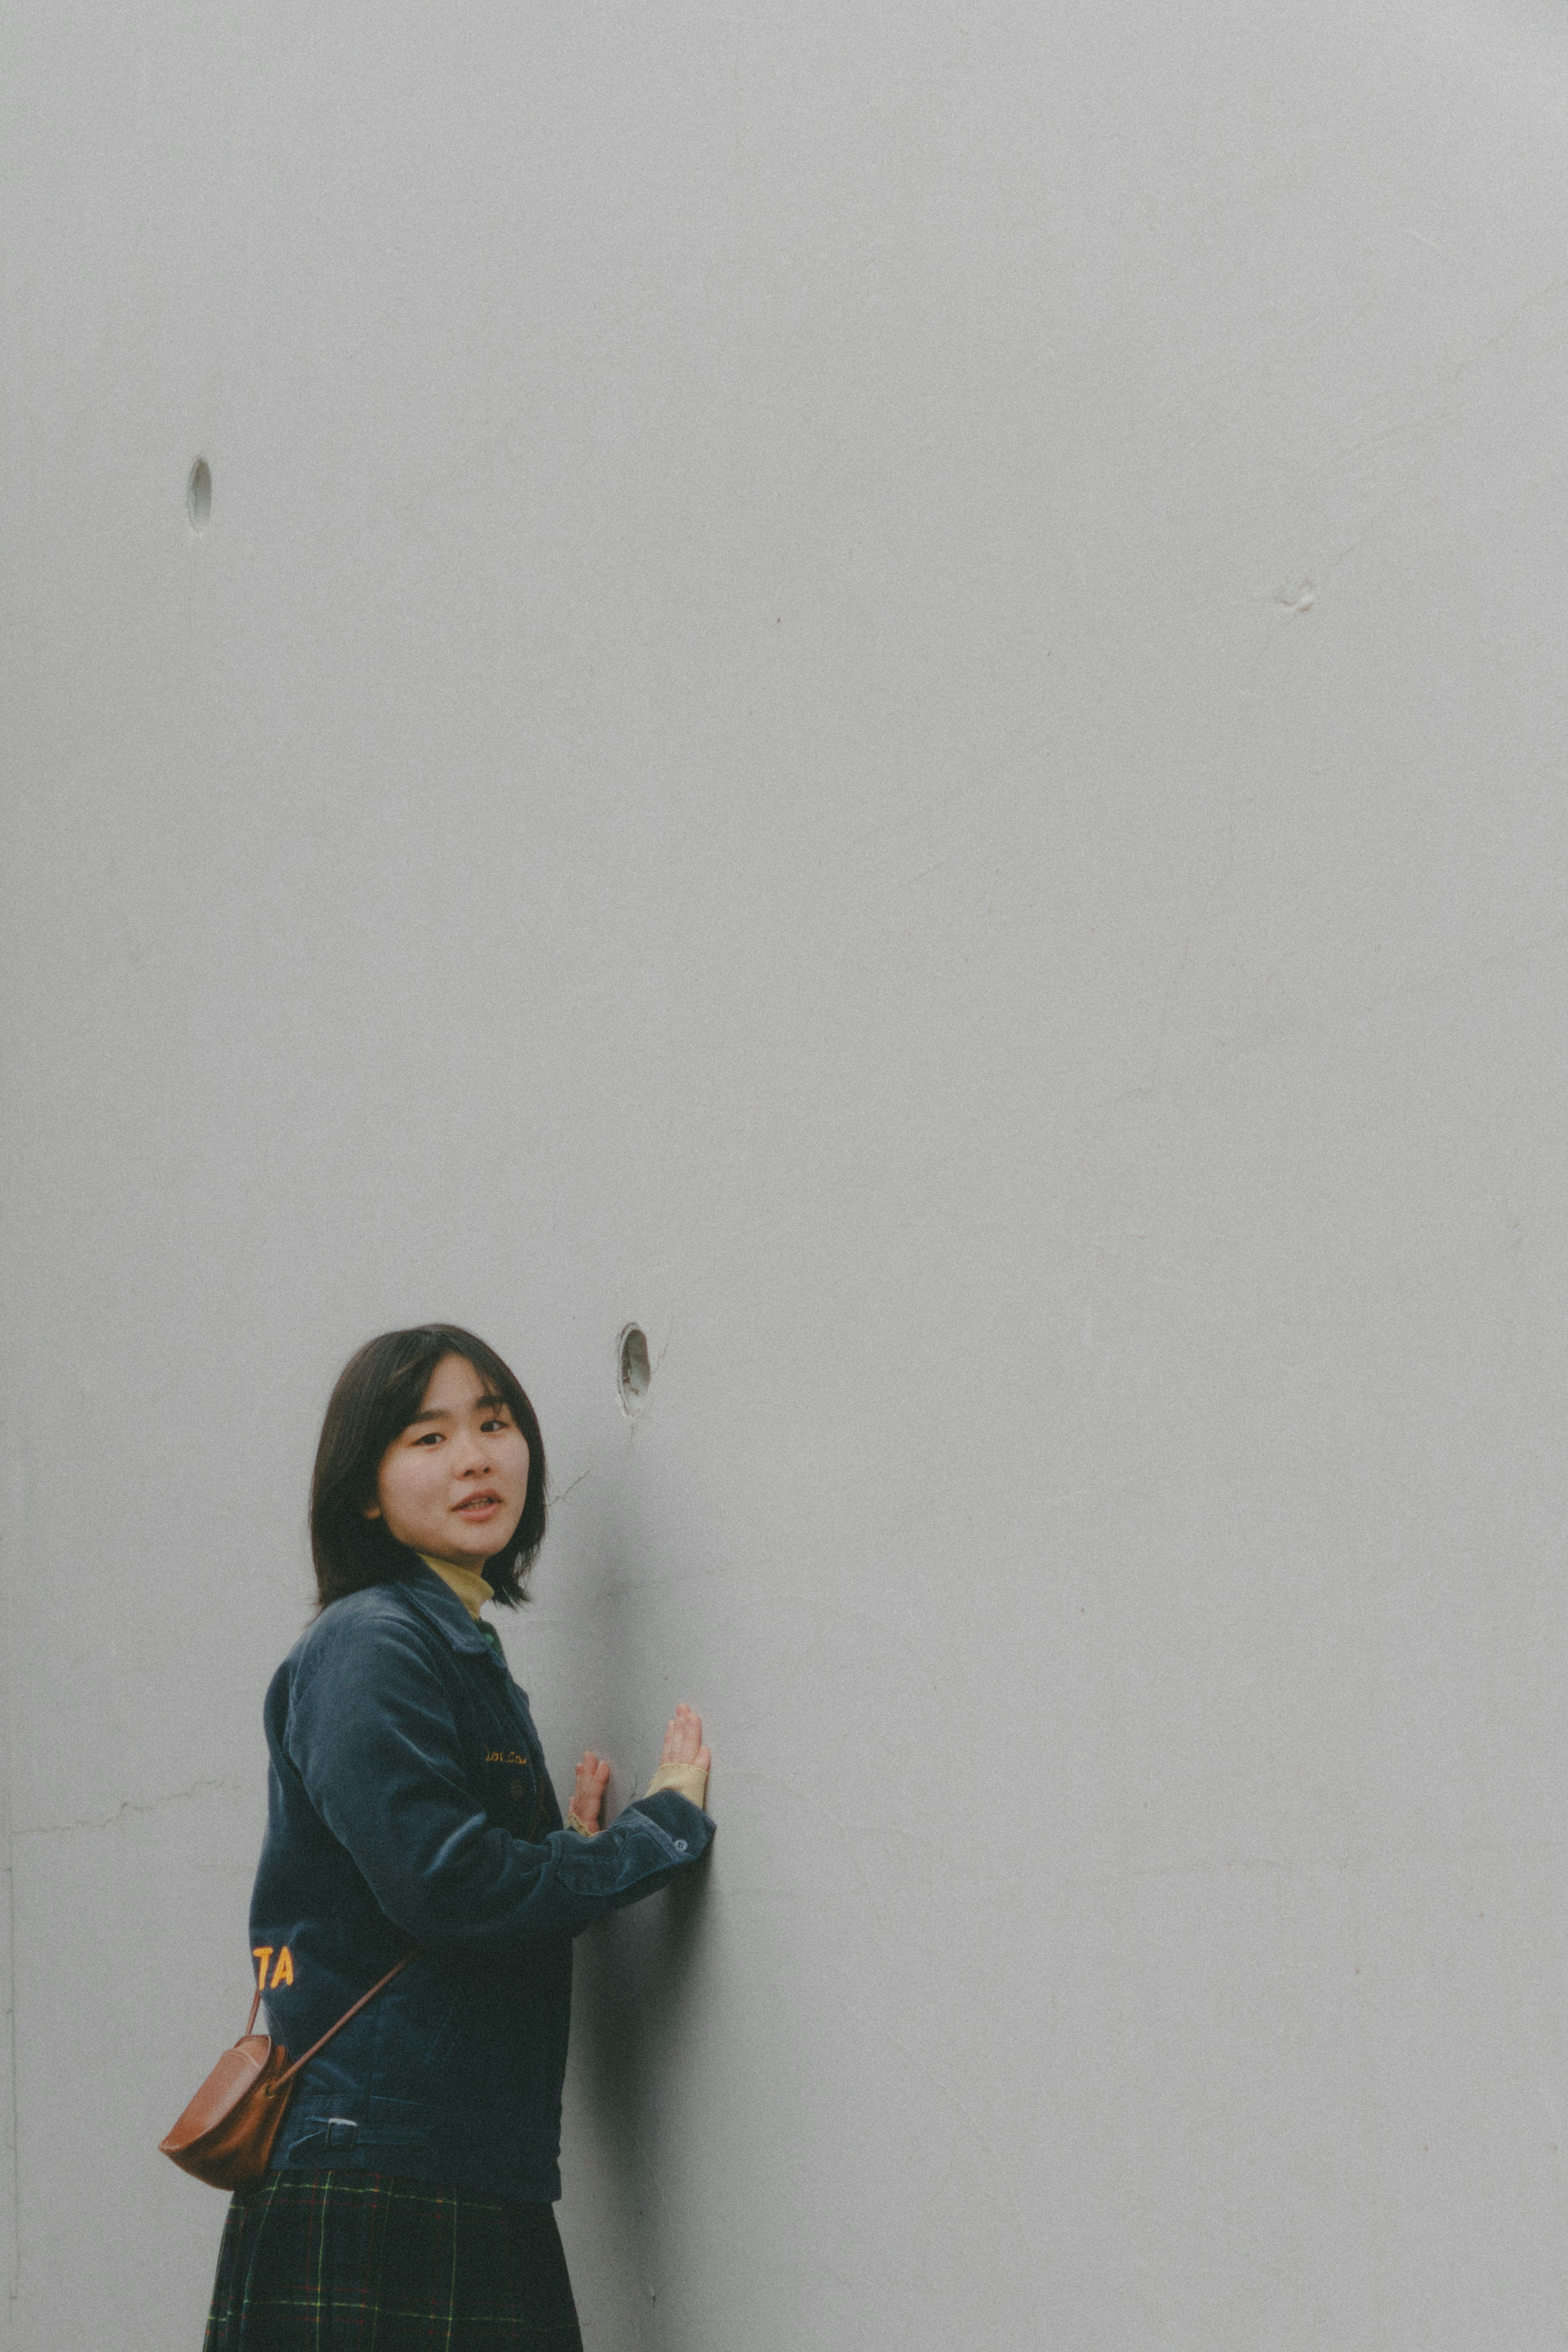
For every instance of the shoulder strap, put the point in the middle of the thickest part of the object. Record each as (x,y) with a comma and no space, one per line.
(288,2073)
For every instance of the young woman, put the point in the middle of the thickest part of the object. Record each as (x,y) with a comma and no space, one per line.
(409,1809)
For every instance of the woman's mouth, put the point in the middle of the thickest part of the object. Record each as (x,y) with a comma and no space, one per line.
(480,1507)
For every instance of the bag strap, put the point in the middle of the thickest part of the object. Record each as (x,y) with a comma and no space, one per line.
(289,2071)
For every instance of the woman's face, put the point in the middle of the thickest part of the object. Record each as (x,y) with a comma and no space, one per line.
(454,1481)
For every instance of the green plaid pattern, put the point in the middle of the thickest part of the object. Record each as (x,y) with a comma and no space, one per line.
(364,2262)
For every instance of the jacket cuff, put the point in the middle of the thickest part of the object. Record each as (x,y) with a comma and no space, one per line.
(683,1828)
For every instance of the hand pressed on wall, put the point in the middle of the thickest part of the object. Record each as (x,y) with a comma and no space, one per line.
(588,1795)
(684,1765)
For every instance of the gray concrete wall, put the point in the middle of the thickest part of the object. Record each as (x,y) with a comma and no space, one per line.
(884,687)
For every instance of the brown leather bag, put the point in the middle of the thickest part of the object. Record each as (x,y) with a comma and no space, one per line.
(225,2135)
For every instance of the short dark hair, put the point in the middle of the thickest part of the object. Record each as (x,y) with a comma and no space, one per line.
(379,1390)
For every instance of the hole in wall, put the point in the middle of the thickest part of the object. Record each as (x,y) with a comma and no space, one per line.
(633,1370)
(199,495)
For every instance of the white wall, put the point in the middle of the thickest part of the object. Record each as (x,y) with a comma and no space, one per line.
(884,685)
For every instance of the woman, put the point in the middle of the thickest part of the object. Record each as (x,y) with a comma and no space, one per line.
(410,2199)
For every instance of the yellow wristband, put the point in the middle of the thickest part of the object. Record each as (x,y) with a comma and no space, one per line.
(689,1781)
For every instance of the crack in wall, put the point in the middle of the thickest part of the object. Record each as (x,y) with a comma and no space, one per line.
(131,1805)
(1522,310)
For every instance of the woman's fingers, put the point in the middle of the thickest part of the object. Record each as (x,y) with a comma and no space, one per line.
(683,1735)
(588,1792)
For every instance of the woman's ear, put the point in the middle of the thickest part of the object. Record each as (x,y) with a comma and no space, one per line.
(370,1511)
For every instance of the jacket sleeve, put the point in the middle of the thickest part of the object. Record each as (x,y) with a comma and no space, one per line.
(372,1734)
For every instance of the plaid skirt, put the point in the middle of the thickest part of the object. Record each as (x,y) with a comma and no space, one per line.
(365,2262)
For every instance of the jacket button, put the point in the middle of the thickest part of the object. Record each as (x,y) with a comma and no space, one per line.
(680,1845)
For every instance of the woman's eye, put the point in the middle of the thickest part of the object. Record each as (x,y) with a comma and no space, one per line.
(430,1437)
(494,1421)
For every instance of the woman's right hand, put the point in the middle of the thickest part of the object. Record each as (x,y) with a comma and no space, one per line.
(588,1795)
(685,1762)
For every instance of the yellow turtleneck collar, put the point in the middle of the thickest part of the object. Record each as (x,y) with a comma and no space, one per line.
(466,1582)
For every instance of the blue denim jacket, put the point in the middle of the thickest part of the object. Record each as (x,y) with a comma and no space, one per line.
(408,1804)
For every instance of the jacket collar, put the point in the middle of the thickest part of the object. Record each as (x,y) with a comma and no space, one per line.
(445,1612)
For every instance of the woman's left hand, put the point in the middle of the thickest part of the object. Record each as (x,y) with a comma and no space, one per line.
(588,1795)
